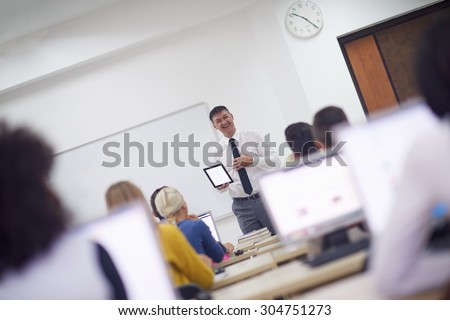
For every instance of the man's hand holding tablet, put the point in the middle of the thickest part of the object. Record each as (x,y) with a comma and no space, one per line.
(223,186)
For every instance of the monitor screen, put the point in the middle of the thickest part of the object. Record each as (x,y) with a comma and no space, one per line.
(311,200)
(130,238)
(376,152)
(207,218)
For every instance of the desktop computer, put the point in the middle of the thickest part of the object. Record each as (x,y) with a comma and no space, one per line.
(376,152)
(315,202)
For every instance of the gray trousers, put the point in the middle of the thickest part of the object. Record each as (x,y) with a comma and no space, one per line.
(252,215)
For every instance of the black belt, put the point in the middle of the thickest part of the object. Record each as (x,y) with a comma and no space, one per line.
(253,196)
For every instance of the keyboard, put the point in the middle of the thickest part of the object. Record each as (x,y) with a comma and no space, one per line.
(332,254)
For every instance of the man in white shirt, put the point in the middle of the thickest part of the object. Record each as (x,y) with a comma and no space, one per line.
(245,155)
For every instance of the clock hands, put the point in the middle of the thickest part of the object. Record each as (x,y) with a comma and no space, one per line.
(294,14)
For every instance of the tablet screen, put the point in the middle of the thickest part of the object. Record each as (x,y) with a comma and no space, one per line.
(218,175)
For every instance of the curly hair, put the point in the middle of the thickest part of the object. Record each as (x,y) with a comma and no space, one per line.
(31,216)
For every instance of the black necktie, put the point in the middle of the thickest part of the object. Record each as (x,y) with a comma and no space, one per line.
(242,172)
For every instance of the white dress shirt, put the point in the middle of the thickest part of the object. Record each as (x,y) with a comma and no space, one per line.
(401,263)
(264,159)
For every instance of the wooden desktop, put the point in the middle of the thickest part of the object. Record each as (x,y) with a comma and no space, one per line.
(290,278)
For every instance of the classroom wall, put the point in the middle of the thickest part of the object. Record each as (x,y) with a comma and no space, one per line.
(69,71)
(319,62)
(138,60)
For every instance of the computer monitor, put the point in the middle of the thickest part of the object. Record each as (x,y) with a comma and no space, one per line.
(208,219)
(376,152)
(130,238)
(311,200)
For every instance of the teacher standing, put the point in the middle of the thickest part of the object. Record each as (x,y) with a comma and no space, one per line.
(245,156)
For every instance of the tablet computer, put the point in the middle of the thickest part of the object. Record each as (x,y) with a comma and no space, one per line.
(218,175)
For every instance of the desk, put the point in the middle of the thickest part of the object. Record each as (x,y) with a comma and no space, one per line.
(244,270)
(360,287)
(269,248)
(234,259)
(289,252)
(291,278)
(357,287)
(268,241)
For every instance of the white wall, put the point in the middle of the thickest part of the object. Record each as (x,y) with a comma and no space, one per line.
(319,61)
(218,63)
(130,54)
(138,60)
(100,32)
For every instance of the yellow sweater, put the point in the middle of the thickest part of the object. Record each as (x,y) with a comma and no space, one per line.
(185,264)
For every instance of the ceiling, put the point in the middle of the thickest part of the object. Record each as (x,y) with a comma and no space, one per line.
(21,17)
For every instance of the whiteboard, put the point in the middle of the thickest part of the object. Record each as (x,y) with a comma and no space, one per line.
(81,175)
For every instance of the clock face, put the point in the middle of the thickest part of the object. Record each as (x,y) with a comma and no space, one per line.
(304,19)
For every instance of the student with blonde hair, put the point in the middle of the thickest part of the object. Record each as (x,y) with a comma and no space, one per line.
(185,265)
(171,205)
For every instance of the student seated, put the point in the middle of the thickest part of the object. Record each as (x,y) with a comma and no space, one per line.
(402,263)
(300,139)
(171,205)
(186,266)
(155,211)
(38,258)
(324,120)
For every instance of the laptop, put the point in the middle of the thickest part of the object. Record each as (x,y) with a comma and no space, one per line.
(207,218)
(313,199)
(376,152)
(130,239)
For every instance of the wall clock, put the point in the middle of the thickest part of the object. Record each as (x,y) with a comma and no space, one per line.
(304,19)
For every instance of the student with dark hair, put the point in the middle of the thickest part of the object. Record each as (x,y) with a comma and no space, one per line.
(300,139)
(402,264)
(38,258)
(250,158)
(324,121)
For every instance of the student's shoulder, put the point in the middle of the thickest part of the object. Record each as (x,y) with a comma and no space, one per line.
(191,224)
(197,225)
(168,230)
